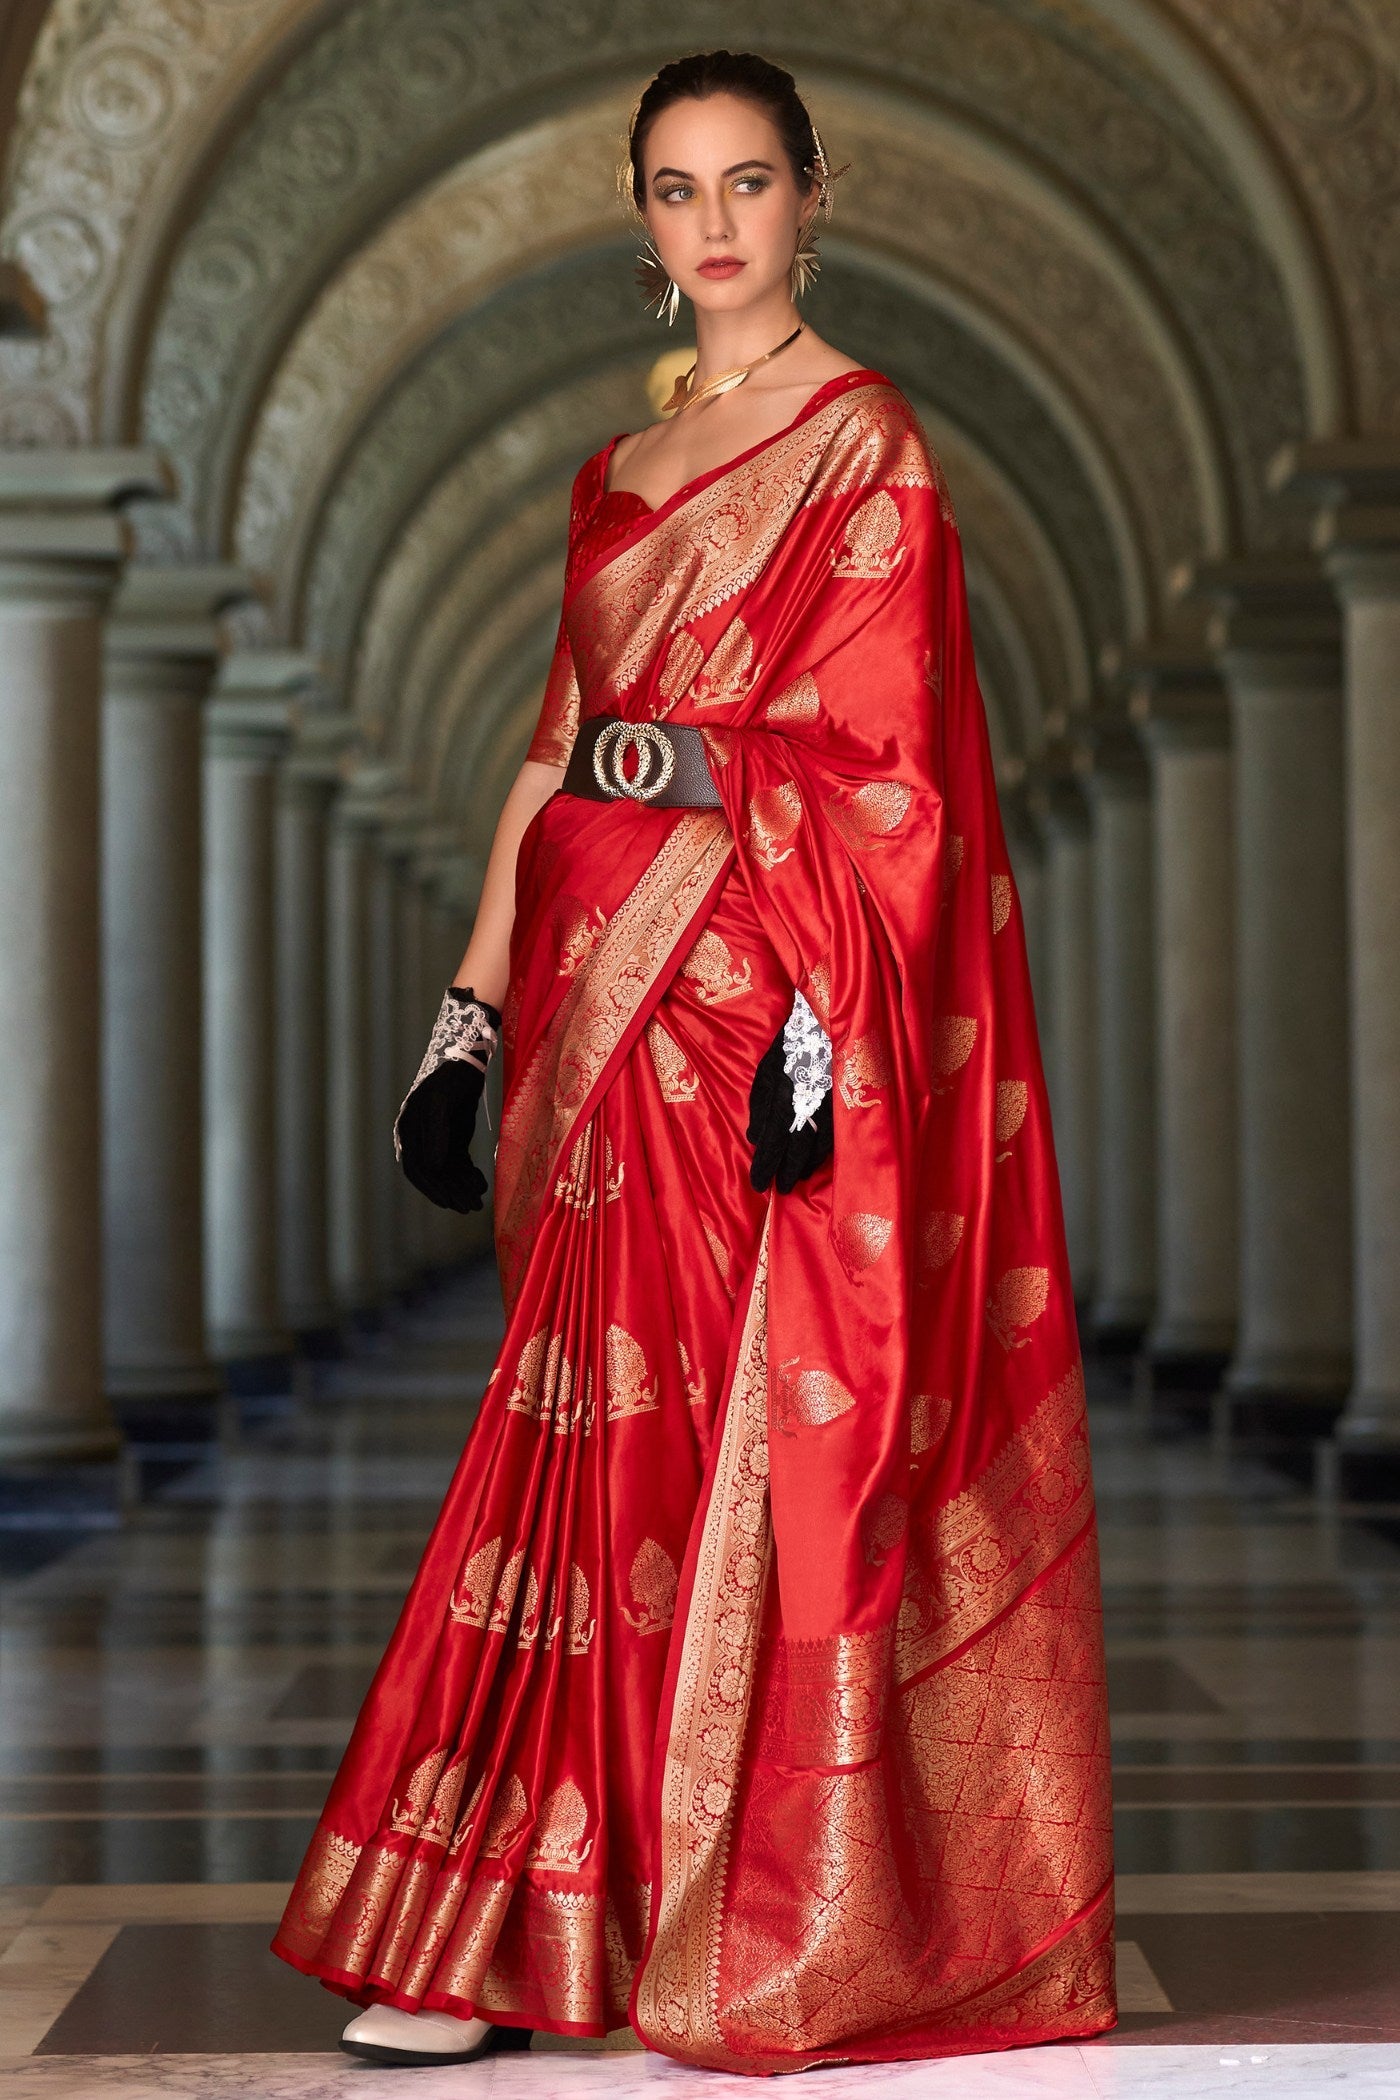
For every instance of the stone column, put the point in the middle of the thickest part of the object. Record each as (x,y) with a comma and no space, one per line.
(162,649)
(1120,791)
(1181,709)
(248,730)
(1358,536)
(62,549)
(354,1275)
(1278,638)
(384,1093)
(306,788)
(1070,1026)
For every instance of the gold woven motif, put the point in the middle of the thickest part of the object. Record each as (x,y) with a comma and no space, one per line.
(631,1390)
(504,1602)
(774,815)
(954,1038)
(807,1399)
(939,1238)
(579,932)
(928,1422)
(870,552)
(558,1840)
(683,661)
(1018,1301)
(861,1237)
(729,670)
(798,702)
(654,1582)
(678,1080)
(508,1812)
(712,972)
(871,813)
(1013,1099)
(695,1388)
(476,1586)
(883,1527)
(865,1071)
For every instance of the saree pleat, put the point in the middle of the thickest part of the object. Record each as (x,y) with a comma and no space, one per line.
(751,1687)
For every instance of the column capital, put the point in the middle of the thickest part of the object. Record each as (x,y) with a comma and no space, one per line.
(62,538)
(370,799)
(1355,484)
(274,674)
(321,751)
(171,615)
(1176,699)
(1276,620)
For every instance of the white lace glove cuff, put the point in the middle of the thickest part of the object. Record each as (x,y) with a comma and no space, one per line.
(462,1030)
(806,1061)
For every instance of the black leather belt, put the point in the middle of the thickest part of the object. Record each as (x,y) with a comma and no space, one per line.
(671,769)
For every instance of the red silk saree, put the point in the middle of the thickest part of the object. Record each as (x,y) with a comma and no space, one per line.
(751,1685)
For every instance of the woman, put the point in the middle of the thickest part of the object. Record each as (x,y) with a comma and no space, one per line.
(751,1686)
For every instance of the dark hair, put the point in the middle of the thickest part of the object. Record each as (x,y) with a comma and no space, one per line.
(739,73)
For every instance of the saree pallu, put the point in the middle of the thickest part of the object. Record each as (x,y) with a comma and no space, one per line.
(751,1687)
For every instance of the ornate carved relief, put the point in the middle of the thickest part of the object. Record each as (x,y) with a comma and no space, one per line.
(1325,77)
(497,216)
(113,88)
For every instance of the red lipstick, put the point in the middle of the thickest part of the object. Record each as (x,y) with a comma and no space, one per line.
(720,266)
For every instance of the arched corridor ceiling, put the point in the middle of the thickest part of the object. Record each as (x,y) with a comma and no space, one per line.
(359,269)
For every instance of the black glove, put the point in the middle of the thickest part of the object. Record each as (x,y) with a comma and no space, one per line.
(781,1153)
(433,1129)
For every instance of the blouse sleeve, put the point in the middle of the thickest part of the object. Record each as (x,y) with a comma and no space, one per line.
(557,726)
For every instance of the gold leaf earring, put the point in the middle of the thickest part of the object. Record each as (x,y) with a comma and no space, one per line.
(658,287)
(805,264)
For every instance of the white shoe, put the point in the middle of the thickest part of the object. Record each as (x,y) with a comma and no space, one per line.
(386,2034)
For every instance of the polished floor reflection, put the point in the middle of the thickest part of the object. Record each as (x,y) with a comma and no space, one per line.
(174,1693)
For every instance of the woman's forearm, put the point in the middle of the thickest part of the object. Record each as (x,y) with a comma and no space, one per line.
(486,964)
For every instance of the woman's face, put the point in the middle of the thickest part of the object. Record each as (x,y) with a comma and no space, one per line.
(721,202)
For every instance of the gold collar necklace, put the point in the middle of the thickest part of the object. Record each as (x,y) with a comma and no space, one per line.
(683,396)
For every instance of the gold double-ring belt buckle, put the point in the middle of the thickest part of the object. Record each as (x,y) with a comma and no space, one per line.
(656,760)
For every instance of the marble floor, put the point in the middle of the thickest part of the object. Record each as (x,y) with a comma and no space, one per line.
(174,1692)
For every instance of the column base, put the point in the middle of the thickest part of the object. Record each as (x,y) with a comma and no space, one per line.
(191,1378)
(171,1432)
(1119,1320)
(273,1372)
(1173,1368)
(38,1440)
(1370,1422)
(1312,1376)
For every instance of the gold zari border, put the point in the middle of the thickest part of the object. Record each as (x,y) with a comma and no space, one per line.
(677,2000)
(602,1000)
